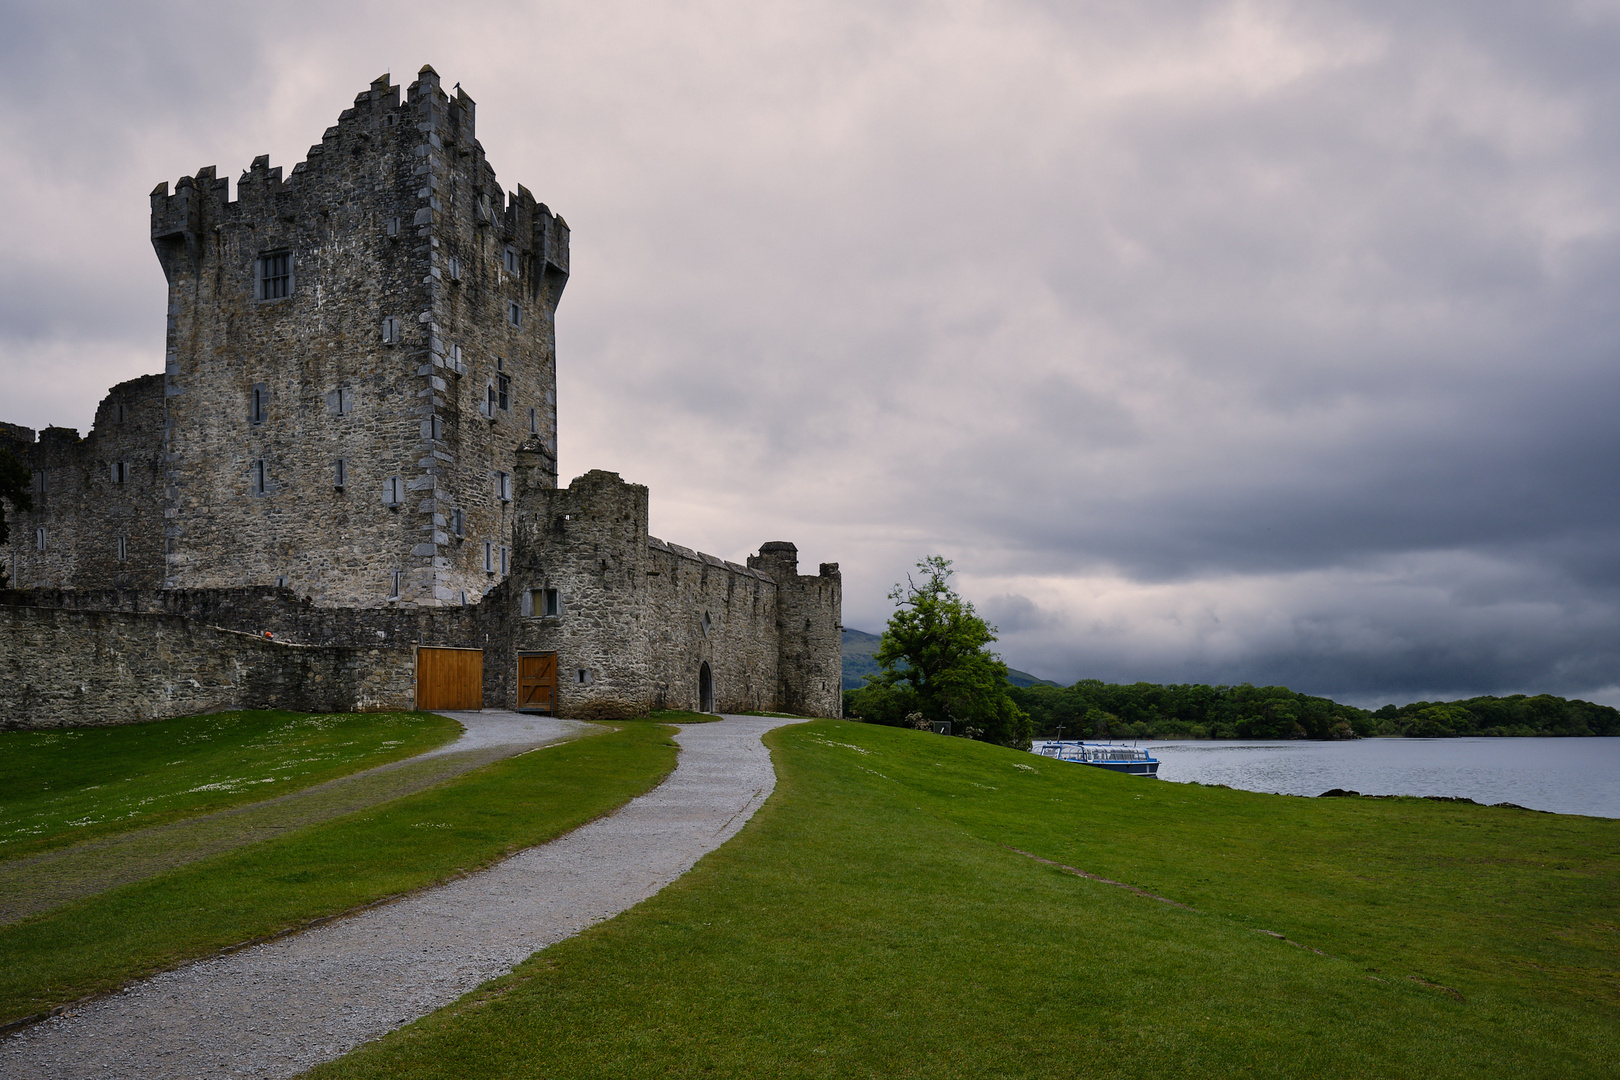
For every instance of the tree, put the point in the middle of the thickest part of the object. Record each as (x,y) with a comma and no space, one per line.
(935,661)
(13,489)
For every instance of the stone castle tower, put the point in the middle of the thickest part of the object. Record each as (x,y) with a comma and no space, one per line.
(354,353)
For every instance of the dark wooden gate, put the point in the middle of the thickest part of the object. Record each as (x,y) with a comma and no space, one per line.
(537,682)
(449,678)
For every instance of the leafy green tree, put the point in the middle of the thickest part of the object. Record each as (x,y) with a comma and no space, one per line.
(935,661)
(14,490)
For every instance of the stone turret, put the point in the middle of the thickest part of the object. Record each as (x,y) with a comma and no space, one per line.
(809,617)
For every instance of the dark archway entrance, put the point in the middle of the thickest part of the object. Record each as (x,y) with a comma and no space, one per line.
(705,688)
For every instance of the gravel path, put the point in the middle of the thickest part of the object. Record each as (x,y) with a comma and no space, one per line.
(38,883)
(280,1008)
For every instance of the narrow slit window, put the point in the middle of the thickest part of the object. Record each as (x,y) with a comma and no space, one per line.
(259,404)
(41,538)
(458,522)
(391,226)
(393,491)
(260,477)
(503,392)
(453,265)
(340,473)
(506,560)
(511,259)
(503,486)
(435,427)
(123,549)
(489,556)
(390,330)
(514,313)
(120,471)
(534,421)
(396,584)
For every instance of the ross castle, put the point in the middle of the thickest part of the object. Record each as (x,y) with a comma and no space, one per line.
(353,446)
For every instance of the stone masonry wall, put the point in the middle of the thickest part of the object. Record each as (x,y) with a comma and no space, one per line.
(62,668)
(639,617)
(703,609)
(98,499)
(414,344)
(810,628)
(589,543)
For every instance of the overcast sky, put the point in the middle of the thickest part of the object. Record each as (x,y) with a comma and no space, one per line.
(1269,342)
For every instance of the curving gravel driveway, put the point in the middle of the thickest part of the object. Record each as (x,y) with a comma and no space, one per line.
(279,1008)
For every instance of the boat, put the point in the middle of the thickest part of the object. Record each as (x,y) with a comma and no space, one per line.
(1125,759)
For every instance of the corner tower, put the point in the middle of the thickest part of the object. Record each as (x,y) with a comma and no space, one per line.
(353,355)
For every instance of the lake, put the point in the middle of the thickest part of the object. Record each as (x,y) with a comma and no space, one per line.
(1566,776)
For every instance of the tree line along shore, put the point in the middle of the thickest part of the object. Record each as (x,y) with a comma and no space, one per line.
(1095,709)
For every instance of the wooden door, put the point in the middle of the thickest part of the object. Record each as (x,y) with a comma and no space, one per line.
(449,678)
(537,682)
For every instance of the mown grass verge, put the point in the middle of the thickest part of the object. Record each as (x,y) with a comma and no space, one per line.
(65,786)
(680,716)
(267,888)
(874,920)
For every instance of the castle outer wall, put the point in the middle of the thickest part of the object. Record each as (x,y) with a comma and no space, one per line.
(640,623)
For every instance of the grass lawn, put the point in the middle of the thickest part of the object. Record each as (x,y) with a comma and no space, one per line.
(62,787)
(873,921)
(680,716)
(102,943)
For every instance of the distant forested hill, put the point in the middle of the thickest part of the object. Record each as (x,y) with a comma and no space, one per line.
(1094,709)
(858,663)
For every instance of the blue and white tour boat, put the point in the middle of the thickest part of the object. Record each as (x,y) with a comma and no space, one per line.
(1125,759)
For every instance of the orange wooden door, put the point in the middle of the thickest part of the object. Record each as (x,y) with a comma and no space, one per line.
(537,682)
(449,678)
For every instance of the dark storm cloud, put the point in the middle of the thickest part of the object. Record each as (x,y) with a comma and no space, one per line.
(1266,341)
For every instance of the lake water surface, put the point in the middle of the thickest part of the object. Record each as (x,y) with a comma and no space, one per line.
(1566,776)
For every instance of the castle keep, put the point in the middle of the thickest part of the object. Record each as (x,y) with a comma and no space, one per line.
(353,445)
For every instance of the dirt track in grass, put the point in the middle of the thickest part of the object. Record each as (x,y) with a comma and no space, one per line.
(40,883)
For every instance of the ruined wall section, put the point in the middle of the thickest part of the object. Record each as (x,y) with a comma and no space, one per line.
(122,668)
(809,631)
(98,499)
(703,609)
(369,359)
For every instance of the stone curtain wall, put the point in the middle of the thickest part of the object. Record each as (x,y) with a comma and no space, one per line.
(704,609)
(97,491)
(639,616)
(61,668)
(406,261)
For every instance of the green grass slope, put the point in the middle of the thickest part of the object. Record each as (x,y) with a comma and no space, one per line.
(874,920)
(858,663)
(104,942)
(66,786)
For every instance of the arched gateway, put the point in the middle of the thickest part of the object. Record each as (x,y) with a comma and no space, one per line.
(705,688)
